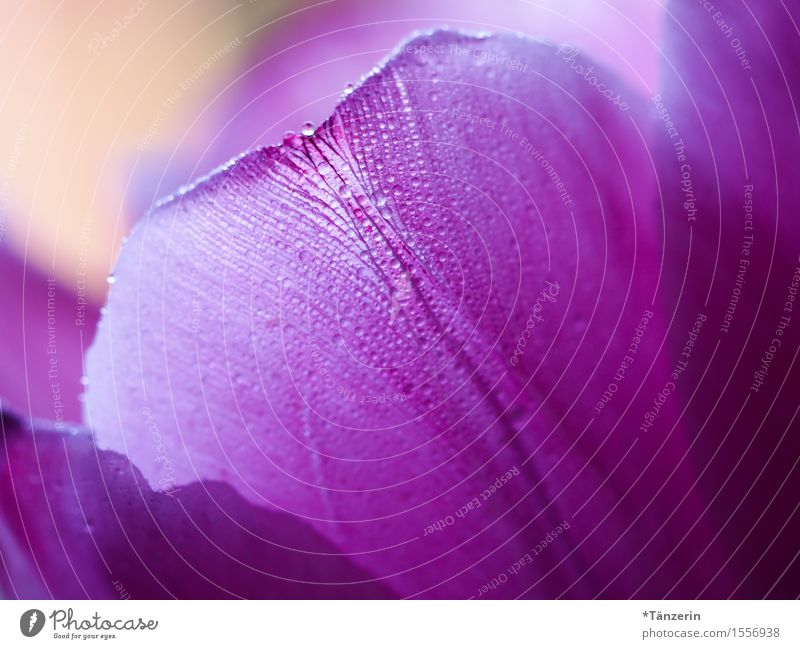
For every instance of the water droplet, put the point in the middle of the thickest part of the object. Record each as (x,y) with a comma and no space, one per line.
(111,279)
(291,139)
(308,128)
(348,89)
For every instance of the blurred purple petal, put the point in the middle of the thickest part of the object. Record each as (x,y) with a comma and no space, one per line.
(78,523)
(728,143)
(375,327)
(43,334)
(304,58)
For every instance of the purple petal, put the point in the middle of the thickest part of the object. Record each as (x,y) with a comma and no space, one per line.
(44,331)
(412,317)
(728,161)
(75,523)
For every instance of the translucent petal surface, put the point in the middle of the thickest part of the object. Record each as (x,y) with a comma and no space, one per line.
(400,329)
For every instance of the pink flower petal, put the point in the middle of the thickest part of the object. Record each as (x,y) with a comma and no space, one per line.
(729,176)
(398,331)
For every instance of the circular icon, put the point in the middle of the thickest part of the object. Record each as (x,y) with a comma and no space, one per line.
(31,622)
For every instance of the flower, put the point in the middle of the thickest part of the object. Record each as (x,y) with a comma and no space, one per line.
(435,448)
(432,349)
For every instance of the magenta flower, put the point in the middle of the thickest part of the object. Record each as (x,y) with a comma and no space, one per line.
(444,345)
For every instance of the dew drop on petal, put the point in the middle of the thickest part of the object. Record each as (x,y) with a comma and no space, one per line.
(291,139)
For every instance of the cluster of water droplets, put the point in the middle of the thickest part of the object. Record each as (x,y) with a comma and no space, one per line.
(374,270)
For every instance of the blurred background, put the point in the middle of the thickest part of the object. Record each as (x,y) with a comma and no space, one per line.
(111,104)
